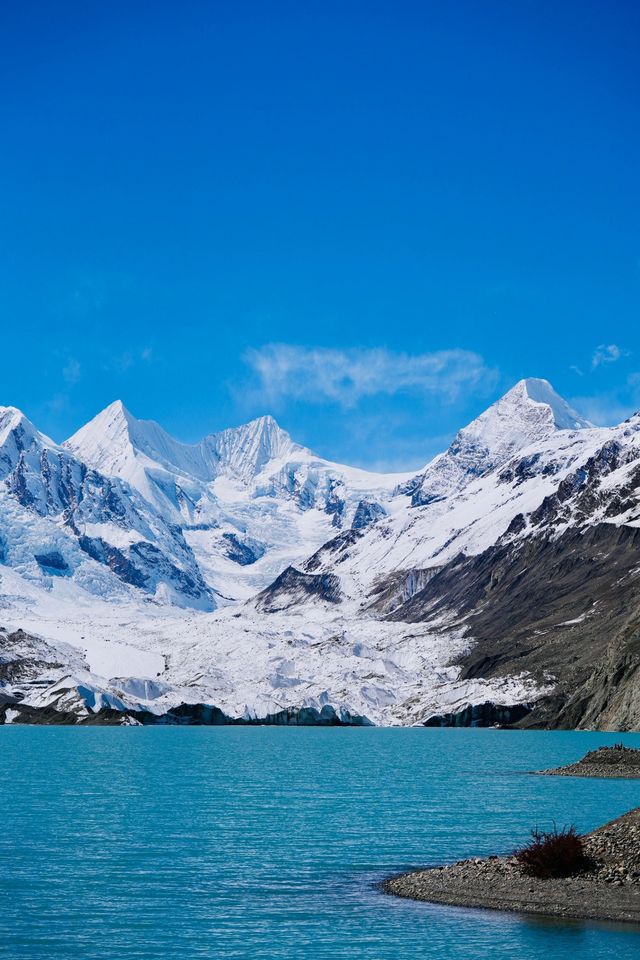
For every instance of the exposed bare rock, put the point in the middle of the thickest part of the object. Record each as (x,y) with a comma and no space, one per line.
(613,762)
(293,587)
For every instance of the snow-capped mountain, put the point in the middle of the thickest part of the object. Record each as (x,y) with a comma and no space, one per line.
(147,457)
(249,500)
(531,411)
(501,583)
(60,518)
(460,503)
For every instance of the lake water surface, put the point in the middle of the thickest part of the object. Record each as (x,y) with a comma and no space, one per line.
(268,843)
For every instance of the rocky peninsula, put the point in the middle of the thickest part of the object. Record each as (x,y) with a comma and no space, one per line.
(609,890)
(613,762)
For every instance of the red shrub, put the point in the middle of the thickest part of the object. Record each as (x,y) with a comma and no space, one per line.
(558,853)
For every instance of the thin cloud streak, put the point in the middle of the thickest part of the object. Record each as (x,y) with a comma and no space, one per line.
(607,353)
(345,377)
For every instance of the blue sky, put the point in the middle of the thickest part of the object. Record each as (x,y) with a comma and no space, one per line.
(368,219)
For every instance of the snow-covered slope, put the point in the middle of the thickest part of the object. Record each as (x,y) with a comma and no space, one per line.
(83,654)
(376,621)
(249,500)
(530,412)
(59,518)
(462,502)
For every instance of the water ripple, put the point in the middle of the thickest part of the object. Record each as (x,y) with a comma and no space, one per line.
(271,843)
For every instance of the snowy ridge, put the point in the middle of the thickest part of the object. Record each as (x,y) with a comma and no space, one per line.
(249,500)
(530,412)
(60,518)
(337,548)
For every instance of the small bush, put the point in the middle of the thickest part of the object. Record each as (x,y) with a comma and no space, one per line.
(557,853)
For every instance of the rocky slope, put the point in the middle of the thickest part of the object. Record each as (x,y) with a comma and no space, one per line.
(612,762)
(557,595)
(497,586)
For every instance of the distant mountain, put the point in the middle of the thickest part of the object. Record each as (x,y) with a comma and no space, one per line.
(60,518)
(249,500)
(461,503)
(530,412)
(147,457)
(500,584)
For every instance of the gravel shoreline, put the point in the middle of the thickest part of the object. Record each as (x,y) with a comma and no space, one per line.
(611,891)
(617,762)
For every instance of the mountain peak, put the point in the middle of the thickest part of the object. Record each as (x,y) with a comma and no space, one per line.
(116,409)
(12,419)
(246,449)
(106,435)
(266,420)
(118,444)
(529,412)
(540,391)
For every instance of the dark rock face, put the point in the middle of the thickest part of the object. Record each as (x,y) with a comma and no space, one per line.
(335,504)
(367,512)
(293,587)
(481,715)
(581,494)
(564,607)
(526,468)
(35,717)
(335,550)
(53,563)
(115,559)
(610,697)
(395,589)
(23,657)
(187,582)
(244,552)
(144,566)
(472,458)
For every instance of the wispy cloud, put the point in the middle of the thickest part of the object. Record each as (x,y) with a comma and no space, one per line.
(123,362)
(71,371)
(345,377)
(607,353)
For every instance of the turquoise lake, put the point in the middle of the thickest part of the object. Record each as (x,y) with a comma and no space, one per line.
(268,843)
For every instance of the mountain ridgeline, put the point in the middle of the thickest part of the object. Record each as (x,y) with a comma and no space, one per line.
(245,575)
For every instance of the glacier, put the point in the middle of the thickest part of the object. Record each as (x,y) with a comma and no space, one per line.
(140,575)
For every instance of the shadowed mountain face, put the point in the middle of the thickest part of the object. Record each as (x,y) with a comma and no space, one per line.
(558,595)
(498,585)
(60,517)
(123,505)
(564,607)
